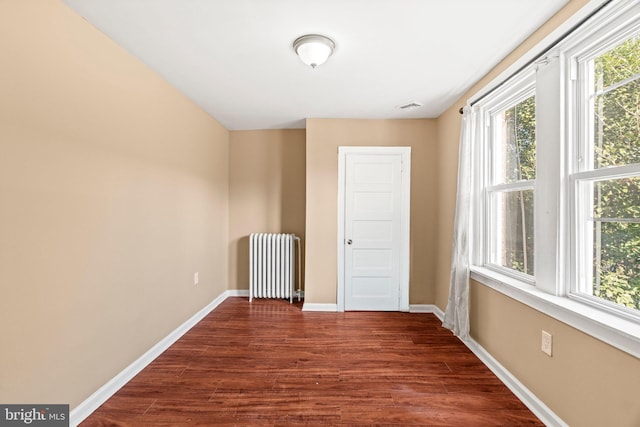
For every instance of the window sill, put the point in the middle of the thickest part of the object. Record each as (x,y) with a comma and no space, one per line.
(621,333)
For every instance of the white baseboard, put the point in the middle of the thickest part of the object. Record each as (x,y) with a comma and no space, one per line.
(413,308)
(319,307)
(237,293)
(531,401)
(426,308)
(93,402)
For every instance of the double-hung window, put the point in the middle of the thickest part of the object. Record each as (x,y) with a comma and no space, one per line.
(556,192)
(605,184)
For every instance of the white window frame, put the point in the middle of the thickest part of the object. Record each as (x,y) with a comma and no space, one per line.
(558,174)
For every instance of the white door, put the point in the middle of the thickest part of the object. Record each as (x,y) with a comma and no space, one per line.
(373,230)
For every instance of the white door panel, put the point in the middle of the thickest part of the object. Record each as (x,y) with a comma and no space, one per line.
(372,230)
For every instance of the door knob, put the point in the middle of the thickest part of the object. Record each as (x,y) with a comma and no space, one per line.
(349,242)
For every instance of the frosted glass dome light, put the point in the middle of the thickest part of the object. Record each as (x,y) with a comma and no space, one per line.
(314,49)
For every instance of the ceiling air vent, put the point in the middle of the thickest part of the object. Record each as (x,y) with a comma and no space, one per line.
(410,106)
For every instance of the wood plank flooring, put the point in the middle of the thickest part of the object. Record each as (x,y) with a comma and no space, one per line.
(267,363)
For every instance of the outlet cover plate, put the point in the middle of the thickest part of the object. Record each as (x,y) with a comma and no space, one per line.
(547,343)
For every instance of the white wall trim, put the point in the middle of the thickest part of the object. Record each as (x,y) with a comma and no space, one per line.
(342,161)
(90,404)
(307,306)
(531,401)
(427,308)
(236,293)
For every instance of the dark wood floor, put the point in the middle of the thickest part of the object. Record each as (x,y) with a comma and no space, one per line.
(266,363)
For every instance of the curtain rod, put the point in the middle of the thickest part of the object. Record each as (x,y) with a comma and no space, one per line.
(544,52)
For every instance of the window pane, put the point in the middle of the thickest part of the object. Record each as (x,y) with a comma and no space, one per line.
(616,241)
(515,157)
(616,105)
(513,230)
(617,199)
(616,272)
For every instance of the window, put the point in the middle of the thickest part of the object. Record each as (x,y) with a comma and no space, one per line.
(607,178)
(556,179)
(510,192)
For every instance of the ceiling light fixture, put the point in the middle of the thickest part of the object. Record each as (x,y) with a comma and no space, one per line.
(313,49)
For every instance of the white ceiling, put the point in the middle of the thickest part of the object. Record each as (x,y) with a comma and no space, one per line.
(234,58)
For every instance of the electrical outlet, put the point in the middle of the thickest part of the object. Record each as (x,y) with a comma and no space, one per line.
(547,343)
(196,278)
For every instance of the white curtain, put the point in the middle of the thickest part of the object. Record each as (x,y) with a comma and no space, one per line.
(456,316)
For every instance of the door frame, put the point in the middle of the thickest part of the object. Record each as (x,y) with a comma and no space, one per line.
(405,176)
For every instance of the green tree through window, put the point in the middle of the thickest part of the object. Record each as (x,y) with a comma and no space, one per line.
(616,109)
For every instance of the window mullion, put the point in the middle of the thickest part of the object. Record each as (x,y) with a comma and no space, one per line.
(549,97)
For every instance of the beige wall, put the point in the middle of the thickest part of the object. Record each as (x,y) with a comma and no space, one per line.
(113,192)
(448,131)
(324,136)
(266,191)
(586,382)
